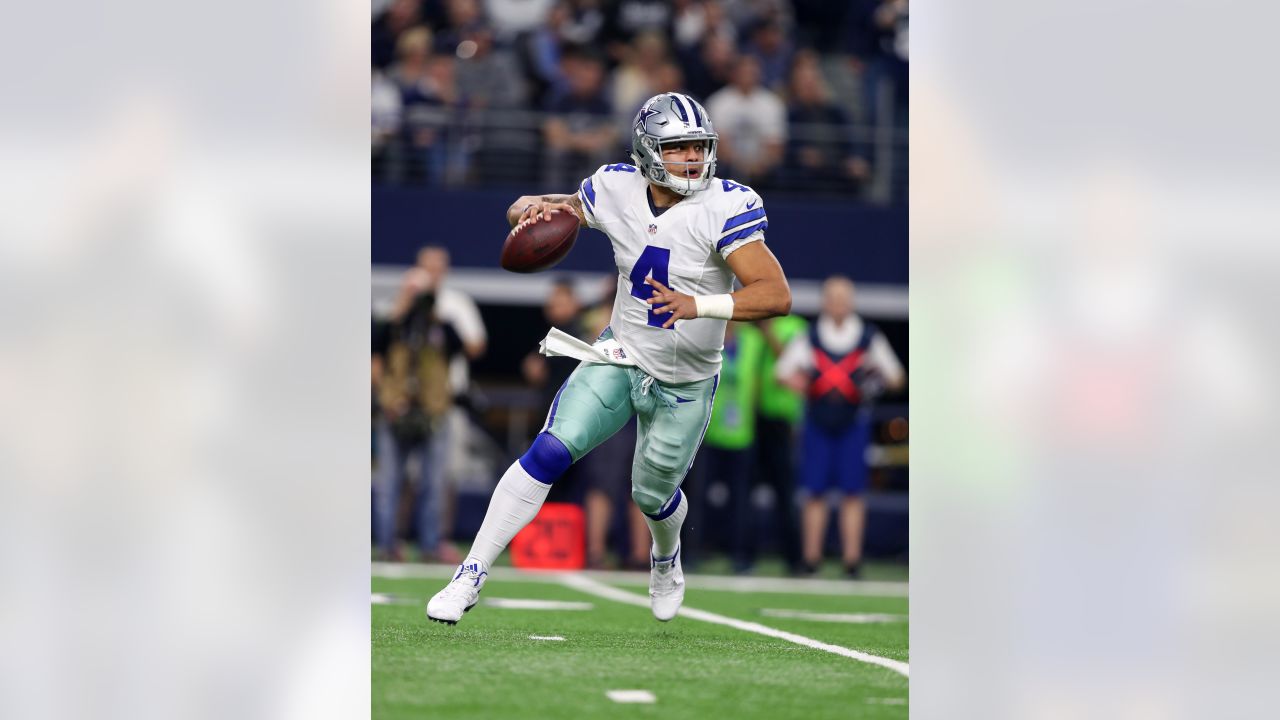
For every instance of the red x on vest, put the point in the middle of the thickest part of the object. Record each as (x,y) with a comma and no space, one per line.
(836,376)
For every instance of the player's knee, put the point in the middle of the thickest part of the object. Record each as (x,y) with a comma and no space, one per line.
(664,465)
(546,459)
(649,502)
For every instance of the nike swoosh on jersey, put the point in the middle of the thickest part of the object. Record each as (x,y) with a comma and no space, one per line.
(680,399)
(751,204)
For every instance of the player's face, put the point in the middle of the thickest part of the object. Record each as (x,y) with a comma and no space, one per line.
(685,159)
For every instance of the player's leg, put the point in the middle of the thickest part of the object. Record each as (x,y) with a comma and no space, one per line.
(815,479)
(592,405)
(852,470)
(670,429)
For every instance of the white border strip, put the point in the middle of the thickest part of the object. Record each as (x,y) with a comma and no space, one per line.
(592,587)
(726,583)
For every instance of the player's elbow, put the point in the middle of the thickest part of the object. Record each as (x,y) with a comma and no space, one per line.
(782,306)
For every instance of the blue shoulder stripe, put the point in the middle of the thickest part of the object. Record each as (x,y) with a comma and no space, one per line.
(729,239)
(589,192)
(745,217)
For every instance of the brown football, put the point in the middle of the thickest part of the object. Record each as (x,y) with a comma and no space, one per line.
(532,247)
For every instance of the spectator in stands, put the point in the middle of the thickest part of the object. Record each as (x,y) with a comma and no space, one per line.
(387,110)
(842,365)
(752,123)
(771,47)
(696,20)
(635,80)
(491,78)
(461,17)
(581,134)
(542,47)
(667,78)
(586,22)
(728,446)
(880,38)
(429,95)
(400,16)
(514,18)
(710,67)
(626,19)
(820,153)
(412,384)
(780,411)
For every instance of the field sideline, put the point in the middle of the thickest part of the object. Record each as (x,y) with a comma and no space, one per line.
(564,645)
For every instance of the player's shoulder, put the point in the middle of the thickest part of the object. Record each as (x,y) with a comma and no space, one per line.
(609,179)
(729,195)
(616,175)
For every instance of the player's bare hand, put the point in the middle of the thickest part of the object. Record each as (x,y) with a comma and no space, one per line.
(541,210)
(676,304)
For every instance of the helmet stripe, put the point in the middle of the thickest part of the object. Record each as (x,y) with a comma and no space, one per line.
(697,112)
(678,104)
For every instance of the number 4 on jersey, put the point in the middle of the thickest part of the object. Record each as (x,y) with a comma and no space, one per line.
(653,260)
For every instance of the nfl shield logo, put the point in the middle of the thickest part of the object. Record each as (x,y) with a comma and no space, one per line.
(653,229)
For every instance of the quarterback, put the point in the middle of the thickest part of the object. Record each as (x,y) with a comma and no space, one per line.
(680,236)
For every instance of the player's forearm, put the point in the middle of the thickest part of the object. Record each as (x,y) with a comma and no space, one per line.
(764,298)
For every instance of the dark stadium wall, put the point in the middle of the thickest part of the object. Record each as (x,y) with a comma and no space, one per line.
(811,239)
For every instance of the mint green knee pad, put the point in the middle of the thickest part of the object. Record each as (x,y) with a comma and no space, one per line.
(597,400)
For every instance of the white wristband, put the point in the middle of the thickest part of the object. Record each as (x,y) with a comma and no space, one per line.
(714,306)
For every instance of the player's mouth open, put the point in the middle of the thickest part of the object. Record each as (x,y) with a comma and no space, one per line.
(692,172)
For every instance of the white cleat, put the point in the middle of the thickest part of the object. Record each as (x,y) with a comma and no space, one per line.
(666,586)
(460,595)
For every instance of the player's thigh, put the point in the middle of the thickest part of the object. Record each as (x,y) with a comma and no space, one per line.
(593,404)
(667,441)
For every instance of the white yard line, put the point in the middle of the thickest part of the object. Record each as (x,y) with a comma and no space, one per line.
(522,604)
(546,637)
(631,696)
(856,618)
(727,583)
(593,587)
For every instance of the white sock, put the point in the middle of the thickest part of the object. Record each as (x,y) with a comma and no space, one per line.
(514,504)
(666,532)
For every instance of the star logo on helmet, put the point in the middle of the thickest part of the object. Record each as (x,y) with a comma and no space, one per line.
(647,113)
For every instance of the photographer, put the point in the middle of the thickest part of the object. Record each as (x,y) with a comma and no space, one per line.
(413,393)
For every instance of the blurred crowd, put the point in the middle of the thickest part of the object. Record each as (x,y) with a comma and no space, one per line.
(807,95)
(792,422)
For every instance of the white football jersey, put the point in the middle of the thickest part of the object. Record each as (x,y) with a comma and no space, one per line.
(684,247)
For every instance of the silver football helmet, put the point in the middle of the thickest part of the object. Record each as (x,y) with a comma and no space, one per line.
(666,118)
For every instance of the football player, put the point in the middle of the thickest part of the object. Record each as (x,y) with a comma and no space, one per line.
(680,236)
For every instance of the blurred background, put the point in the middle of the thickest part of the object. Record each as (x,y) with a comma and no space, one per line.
(475,102)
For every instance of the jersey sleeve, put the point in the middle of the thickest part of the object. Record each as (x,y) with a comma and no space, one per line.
(745,222)
(598,192)
(587,196)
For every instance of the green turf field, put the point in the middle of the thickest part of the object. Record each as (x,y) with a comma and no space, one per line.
(488,667)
